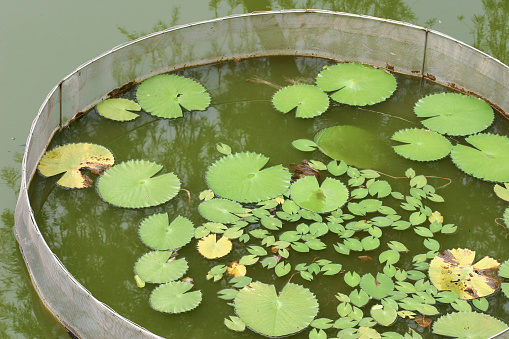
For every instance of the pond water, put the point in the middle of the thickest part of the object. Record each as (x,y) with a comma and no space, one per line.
(42,42)
(99,244)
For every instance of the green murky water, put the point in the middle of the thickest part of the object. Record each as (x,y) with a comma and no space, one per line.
(99,243)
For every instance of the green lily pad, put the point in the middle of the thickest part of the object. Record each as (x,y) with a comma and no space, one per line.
(265,312)
(353,145)
(160,267)
(488,159)
(421,144)
(454,113)
(70,159)
(329,196)
(240,177)
(471,325)
(132,184)
(220,210)
(173,297)
(118,109)
(309,101)
(162,95)
(356,84)
(377,288)
(384,315)
(157,232)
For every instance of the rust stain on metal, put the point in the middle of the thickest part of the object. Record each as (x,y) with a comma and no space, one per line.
(117,92)
(430,76)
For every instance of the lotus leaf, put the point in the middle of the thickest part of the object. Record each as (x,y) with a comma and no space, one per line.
(162,95)
(220,210)
(353,145)
(173,297)
(265,312)
(240,177)
(157,232)
(310,101)
(454,113)
(356,84)
(452,270)
(211,249)
(488,159)
(132,184)
(329,196)
(160,267)
(70,159)
(471,325)
(421,144)
(118,109)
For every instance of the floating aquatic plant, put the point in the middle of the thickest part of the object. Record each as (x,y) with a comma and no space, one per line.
(356,84)
(71,159)
(309,101)
(162,95)
(220,210)
(174,297)
(157,232)
(384,315)
(133,184)
(330,195)
(160,267)
(118,109)
(454,113)
(212,248)
(265,312)
(453,270)
(421,144)
(351,144)
(240,177)
(468,325)
(488,159)
(378,287)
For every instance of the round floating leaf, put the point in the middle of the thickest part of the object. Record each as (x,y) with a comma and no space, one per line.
(356,84)
(157,232)
(220,210)
(263,311)
(421,144)
(132,184)
(304,145)
(329,196)
(454,113)
(118,109)
(162,95)
(377,288)
(488,159)
(353,145)
(160,267)
(70,159)
(384,315)
(309,100)
(211,249)
(453,271)
(240,177)
(174,297)
(468,325)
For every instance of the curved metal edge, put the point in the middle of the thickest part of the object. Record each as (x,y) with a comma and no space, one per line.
(25,180)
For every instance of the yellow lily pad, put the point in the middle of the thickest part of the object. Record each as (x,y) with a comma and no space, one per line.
(453,270)
(236,269)
(212,249)
(72,159)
